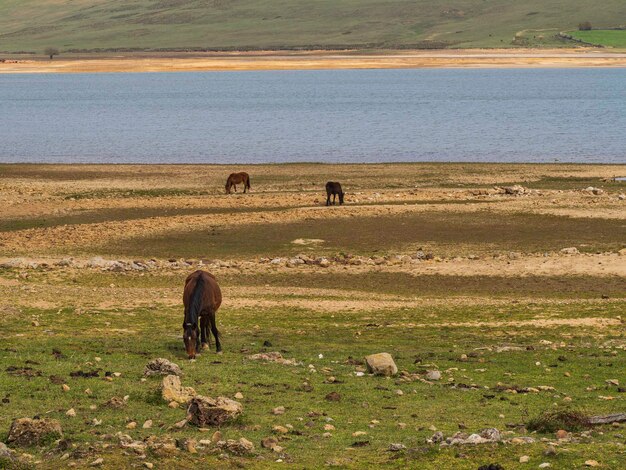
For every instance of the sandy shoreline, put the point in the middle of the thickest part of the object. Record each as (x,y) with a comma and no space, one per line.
(317,60)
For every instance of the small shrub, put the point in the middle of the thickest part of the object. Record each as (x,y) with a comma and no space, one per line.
(584,26)
(552,420)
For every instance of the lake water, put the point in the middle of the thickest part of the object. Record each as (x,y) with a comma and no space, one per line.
(491,115)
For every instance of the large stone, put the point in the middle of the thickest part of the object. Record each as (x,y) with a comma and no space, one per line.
(29,432)
(161,366)
(381,364)
(207,411)
(172,390)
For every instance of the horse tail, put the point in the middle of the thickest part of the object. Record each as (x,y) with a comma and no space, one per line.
(248,182)
(196,301)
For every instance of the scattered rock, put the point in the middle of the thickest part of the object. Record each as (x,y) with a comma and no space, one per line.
(437,437)
(239,396)
(433,375)
(147,424)
(131,425)
(279,410)
(515,190)
(333,396)
(545,465)
(29,432)
(269,442)
(172,390)
(97,462)
(273,357)
(161,366)
(381,364)
(524,459)
(115,403)
(396,447)
(572,250)
(592,463)
(207,411)
(562,434)
(71,412)
(240,447)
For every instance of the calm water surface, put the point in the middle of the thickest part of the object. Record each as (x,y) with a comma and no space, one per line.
(538,115)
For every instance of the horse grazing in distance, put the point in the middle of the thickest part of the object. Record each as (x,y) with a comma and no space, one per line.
(201,298)
(237,178)
(333,188)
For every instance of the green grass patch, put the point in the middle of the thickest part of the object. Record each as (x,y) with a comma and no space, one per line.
(126,340)
(443,233)
(604,37)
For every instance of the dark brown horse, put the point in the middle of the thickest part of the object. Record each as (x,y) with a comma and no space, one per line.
(237,178)
(201,297)
(333,188)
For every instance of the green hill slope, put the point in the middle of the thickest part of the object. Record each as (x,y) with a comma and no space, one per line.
(32,25)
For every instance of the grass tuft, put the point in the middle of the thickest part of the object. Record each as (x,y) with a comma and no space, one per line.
(550,421)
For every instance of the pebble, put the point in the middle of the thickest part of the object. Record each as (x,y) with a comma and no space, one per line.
(358,433)
(34,323)
(97,462)
(395,447)
(131,425)
(524,459)
(545,465)
(592,463)
(238,395)
(329,427)
(433,375)
(147,424)
(399,392)
(279,410)
(173,404)
(65,387)
(88,392)
(71,412)
(280,429)
(561,434)
(148,465)
(550,450)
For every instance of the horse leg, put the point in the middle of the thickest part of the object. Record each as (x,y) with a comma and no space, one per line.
(334,198)
(245,186)
(218,345)
(204,323)
(328,199)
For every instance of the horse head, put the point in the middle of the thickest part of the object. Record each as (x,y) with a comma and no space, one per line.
(190,338)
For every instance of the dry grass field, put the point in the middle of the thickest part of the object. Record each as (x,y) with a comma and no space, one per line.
(448,267)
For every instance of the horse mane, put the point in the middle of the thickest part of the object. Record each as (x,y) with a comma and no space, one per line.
(196,301)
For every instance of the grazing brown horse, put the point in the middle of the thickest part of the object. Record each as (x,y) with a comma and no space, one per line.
(201,297)
(333,188)
(237,178)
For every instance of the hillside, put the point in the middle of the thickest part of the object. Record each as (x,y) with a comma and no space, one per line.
(87,25)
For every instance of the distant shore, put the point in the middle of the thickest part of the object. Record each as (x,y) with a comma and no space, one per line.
(314,60)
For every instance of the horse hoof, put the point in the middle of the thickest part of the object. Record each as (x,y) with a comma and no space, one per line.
(220,353)
(205,346)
